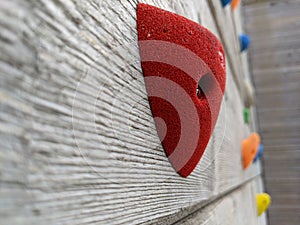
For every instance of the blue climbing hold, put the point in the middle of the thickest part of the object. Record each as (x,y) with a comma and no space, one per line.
(244,42)
(225,2)
(259,152)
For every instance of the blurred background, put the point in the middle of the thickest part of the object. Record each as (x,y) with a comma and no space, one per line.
(274,28)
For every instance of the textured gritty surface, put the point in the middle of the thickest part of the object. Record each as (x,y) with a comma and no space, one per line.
(156,24)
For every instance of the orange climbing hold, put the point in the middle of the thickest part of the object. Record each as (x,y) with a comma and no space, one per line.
(234,4)
(249,149)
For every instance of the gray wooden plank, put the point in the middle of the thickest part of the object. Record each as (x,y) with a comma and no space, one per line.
(274,28)
(227,34)
(238,207)
(237,19)
(78,142)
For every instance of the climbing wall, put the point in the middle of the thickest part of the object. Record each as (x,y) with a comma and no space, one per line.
(78,141)
(274,27)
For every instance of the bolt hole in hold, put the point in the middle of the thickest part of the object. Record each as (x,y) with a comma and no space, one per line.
(205,85)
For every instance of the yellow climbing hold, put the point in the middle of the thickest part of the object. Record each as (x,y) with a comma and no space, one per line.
(263,201)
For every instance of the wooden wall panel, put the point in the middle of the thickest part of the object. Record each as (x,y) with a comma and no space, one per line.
(78,142)
(229,24)
(237,207)
(226,30)
(274,28)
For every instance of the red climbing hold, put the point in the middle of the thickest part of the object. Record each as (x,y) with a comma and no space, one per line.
(184,68)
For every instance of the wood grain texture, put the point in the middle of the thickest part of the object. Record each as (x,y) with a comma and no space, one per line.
(78,142)
(229,25)
(238,207)
(238,21)
(226,29)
